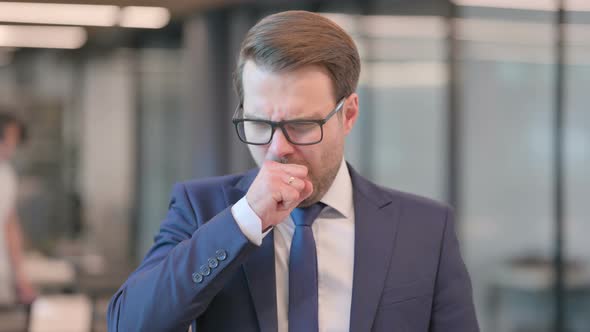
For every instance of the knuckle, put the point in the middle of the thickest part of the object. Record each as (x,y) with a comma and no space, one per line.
(290,193)
(298,184)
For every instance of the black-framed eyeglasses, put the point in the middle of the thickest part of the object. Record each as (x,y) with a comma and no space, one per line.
(297,132)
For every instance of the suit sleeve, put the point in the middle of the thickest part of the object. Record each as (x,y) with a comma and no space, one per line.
(183,271)
(453,308)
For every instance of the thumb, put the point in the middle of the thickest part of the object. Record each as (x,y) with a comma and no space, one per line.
(307,191)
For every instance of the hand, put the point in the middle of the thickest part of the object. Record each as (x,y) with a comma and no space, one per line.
(277,190)
(25,291)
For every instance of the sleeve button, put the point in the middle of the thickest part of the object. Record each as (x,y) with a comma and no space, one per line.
(213,263)
(197,278)
(221,254)
(205,270)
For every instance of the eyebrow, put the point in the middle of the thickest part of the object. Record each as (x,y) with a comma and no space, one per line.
(253,117)
(314,116)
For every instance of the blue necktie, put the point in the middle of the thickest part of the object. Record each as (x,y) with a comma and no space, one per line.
(303,272)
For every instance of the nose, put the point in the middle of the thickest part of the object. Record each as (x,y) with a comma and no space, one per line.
(279,145)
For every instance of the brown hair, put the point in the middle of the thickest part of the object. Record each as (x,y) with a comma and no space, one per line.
(290,40)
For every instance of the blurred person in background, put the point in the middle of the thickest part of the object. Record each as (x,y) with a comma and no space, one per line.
(243,253)
(14,285)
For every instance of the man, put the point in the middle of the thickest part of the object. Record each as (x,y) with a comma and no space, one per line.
(14,285)
(243,252)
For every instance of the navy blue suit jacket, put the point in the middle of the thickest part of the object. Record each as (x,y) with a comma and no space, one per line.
(408,272)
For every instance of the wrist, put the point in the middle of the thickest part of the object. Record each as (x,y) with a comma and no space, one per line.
(265,227)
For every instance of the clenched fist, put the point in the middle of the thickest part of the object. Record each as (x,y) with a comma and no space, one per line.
(277,190)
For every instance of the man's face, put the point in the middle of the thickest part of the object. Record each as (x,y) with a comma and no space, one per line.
(9,142)
(306,93)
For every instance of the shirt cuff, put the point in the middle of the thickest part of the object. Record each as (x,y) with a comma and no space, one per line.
(249,223)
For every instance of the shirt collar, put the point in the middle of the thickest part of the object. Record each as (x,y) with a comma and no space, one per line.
(339,195)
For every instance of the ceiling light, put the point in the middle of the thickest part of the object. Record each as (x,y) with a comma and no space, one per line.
(85,15)
(542,5)
(42,36)
(53,13)
(144,17)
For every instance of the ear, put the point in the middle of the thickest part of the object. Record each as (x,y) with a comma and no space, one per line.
(350,112)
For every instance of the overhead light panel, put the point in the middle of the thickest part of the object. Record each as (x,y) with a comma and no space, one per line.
(541,5)
(84,15)
(56,13)
(544,5)
(144,17)
(42,36)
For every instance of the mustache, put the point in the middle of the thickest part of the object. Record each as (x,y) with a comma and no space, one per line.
(285,160)
(281,160)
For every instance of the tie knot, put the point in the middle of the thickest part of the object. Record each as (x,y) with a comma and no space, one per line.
(306,216)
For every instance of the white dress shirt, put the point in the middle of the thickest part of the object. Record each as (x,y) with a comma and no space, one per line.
(333,232)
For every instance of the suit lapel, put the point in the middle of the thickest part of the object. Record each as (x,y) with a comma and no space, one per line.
(376,220)
(260,266)
(260,273)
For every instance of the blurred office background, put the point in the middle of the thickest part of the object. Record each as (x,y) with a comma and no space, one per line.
(483,104)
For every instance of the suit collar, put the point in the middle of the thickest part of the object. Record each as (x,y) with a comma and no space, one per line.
(339,195)
(374,194)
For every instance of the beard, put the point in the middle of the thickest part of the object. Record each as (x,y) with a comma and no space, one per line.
(321,178)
